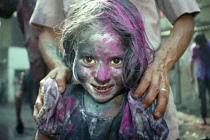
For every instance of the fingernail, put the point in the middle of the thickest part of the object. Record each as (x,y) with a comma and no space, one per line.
(137,95)
(144,106)
(157,114)
(61,89)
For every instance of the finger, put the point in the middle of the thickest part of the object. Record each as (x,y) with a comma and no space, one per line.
(39,103)
(37,108)
(42,95)
(40,99)
(51,74)
(161,103)
(61,79)
(42,112)
(35,113)
(144,84)
(152,91)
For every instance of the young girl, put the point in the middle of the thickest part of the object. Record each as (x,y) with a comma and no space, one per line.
(106,49)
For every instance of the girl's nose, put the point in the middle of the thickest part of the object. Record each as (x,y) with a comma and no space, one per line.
(102,74)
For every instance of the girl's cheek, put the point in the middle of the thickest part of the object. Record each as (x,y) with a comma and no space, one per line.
(84,72)
(117,74)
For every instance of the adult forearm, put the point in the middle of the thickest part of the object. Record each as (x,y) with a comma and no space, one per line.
(49,47)
(177,42)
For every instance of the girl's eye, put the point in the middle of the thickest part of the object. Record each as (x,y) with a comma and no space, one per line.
(89,61)
(116,62)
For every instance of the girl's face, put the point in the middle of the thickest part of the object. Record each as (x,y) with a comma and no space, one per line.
(98,65)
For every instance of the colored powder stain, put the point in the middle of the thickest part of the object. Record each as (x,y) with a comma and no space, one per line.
(126,118)
(97,51)
(103,73)
(85,74)
(70,128)
(104,40)
(60,115)
(70,104)
(71,100)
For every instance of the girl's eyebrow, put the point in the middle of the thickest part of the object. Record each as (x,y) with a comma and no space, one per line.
(117,55)
(85,52)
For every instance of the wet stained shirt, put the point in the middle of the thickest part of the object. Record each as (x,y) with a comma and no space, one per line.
(64,117)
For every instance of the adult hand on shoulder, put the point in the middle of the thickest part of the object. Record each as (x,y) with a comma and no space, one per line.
(155,80)
(62,75)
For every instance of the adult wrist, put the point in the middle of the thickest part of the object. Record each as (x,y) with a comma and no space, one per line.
(164,59)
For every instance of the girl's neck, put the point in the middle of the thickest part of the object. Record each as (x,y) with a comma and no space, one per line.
(103,110)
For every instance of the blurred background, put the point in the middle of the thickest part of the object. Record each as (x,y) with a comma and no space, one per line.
(14,60)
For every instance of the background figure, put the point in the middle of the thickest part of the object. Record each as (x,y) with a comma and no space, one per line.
(3,89)
(200,56)
(24,10)
(26,87)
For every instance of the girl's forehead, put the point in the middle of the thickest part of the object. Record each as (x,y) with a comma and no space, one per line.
(102,43)
(99,33)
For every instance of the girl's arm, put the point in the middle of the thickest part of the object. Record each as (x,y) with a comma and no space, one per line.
(41,136)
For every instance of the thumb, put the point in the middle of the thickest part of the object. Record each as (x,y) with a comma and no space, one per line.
(61,82)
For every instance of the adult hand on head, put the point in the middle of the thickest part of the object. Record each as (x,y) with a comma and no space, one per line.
(155,78)
(62,75)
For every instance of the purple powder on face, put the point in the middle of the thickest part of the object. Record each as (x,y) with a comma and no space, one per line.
(103,73)
(127,22)
(119,17)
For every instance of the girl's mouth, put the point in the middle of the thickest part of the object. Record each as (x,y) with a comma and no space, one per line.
(102,89)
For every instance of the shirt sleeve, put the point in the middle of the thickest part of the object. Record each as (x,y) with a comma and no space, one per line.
(48,13)
(139,123)
(173,9)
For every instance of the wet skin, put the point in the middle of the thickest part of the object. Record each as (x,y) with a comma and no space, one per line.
(98,67)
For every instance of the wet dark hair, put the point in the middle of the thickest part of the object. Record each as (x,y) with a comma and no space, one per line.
(120,16)
(200,39)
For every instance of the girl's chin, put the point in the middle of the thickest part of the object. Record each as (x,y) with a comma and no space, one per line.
(101,98)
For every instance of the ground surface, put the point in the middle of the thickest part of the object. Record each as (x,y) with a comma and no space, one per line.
(190,129)
(8,122)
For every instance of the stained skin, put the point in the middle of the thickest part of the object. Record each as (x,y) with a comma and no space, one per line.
(98,67)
